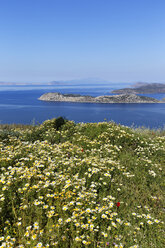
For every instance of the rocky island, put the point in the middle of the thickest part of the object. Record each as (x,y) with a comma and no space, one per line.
(125,98)
(145,88)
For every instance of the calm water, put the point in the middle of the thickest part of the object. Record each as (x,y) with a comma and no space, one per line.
(21,105)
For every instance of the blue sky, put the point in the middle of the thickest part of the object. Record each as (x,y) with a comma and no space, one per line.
(114,40)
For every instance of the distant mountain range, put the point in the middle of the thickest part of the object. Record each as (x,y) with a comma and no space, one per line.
(134,88)
(60,82)
(142,88)
(23,84)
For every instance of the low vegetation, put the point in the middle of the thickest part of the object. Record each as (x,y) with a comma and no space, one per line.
(73,185)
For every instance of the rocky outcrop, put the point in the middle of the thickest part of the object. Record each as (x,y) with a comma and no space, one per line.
(143,89)
(126,98)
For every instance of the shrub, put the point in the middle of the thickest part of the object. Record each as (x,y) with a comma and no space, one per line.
(59,122)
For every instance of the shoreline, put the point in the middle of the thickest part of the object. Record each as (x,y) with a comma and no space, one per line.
(124,98)
(102,102)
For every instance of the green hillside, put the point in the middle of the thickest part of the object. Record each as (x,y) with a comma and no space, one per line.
(73,185)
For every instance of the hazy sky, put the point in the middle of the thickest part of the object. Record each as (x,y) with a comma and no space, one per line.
(115,40)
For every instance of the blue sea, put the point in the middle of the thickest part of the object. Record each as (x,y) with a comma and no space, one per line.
(20,104)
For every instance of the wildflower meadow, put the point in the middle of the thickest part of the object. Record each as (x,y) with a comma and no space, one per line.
(81,185)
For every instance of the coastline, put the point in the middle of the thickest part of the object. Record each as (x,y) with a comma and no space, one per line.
(126,98)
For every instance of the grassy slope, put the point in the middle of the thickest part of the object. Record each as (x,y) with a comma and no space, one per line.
(61,188)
